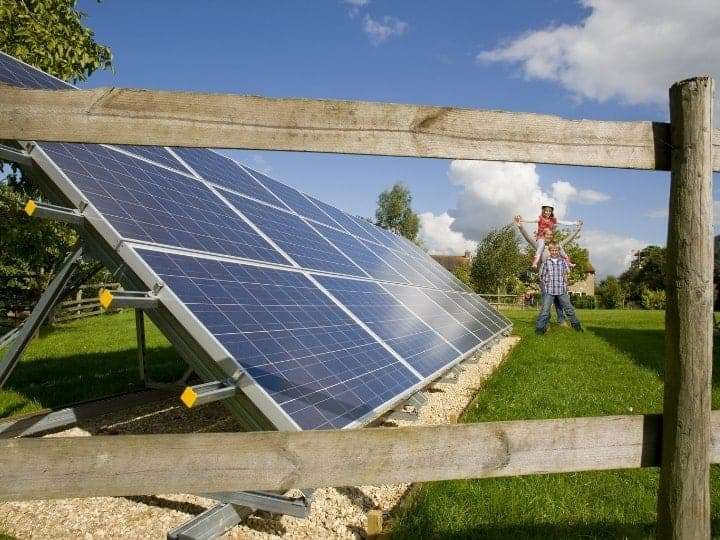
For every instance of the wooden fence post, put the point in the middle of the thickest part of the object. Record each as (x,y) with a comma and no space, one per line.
(684,495)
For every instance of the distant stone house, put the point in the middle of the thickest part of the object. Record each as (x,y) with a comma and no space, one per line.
(587,285)
(451,262)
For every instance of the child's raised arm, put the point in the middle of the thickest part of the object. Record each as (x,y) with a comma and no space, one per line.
(573,235)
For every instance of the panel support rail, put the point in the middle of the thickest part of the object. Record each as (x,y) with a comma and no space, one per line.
(42,210)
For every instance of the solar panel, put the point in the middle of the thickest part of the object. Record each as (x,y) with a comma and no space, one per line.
(321,319)
(367,260)
(152,204)
(158,154)
(343,219)
(294,237)
(460,337)
(224,172)
(416,342)
(398,264)
(293,199)
(320,366)
(477,327)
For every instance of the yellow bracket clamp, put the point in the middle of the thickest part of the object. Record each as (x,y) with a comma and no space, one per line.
(189,397)
(106,298)
(30,207)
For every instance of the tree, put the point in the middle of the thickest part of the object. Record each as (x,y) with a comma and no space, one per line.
(462,272)
(49,35)
(646,272)
(610,293)
(498,261)
(394,212)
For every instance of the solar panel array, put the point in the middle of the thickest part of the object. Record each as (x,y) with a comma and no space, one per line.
(328,315)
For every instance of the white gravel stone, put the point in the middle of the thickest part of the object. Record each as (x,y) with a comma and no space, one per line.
(335,513)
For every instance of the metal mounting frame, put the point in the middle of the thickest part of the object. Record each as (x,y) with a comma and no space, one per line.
(236,506)
(204,356)
(43,308)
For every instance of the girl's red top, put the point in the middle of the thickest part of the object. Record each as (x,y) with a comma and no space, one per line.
(545,224)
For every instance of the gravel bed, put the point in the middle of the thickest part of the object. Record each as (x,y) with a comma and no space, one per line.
(335,513)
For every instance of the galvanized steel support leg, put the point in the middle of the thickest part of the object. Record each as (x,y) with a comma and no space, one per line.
(140,333)
(47,301)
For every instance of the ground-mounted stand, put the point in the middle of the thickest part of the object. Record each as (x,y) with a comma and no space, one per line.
(232,507)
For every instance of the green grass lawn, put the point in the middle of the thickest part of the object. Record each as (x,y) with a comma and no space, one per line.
(85,359)
(614,367)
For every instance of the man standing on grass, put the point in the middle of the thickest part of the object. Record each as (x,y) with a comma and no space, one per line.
(553,283)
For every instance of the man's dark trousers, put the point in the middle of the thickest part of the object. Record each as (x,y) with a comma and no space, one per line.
(547,301)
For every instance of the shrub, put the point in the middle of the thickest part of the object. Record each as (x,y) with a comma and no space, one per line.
(653,299)
(611,294)
(583,301)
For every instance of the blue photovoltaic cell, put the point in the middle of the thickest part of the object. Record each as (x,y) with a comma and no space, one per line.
(435,316)
(293,199)
(342,219)
(151,204)
(459,314)
(15,73)
(408,336)
(492,313)
(320,366)
(430,267)
(224,172)
(400,266)
(158,154)
(294,237)
(372,231)
(360,255)
(475,310)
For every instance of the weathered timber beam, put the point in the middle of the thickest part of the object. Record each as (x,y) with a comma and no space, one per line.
(277,461)
(684,492)
(131,116)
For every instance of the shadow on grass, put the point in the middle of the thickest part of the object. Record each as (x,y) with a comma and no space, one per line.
(61,381)
(646,347)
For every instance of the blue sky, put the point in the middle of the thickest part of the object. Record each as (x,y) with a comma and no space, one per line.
(426,53)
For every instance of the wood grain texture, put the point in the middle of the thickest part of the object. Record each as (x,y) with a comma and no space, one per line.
(129,116)
(684,495)
(212,462)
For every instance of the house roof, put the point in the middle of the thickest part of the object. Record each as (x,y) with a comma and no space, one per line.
(450,262)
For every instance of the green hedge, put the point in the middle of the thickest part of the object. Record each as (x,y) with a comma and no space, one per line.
(580,301)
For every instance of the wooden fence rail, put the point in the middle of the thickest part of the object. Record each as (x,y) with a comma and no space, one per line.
(131,116)
(80,307)
(206,462)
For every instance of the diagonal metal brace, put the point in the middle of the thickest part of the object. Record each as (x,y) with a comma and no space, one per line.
(47,301)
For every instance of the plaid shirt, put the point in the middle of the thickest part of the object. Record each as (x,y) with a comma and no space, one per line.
(552,276)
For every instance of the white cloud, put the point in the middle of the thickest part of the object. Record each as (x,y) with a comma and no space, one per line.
(590,196)
(610,254)
(491,193)
(355,5)
(631,51)
(438,237)
(380,31)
